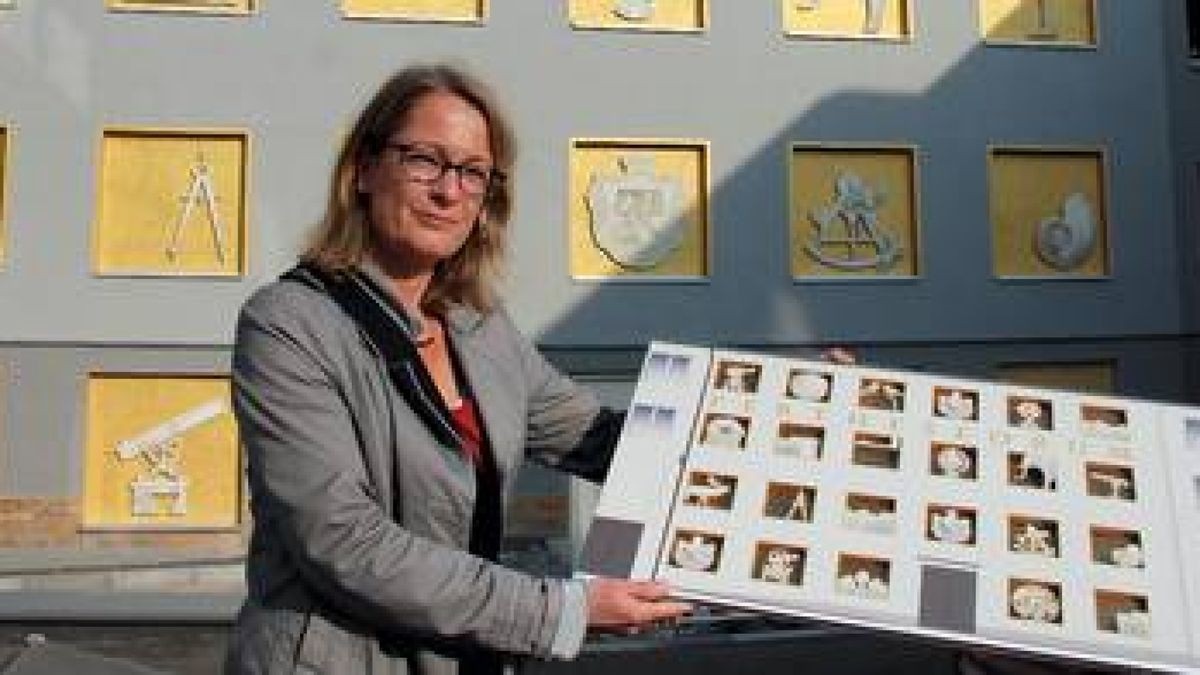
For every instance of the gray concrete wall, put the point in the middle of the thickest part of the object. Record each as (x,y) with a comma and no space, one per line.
(294,73)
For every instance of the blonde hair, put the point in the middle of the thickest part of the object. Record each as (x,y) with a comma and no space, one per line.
(343,236)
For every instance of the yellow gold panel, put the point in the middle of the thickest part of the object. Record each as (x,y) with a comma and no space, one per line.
(1093,377)
(1034,22)
(161,451)
(656,15)
(1029,192)
(192,6)
(466,11)
(873,19)
(830,238)
(171,203)
(3,195)
(638,209)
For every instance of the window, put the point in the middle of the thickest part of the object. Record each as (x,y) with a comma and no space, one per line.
(1193,23)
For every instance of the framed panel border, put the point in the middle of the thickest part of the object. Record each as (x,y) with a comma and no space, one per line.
(1092,45)
(905,37)
(482,10)
(913,153)
(1102,154)
(239,512)
(704,189)
(243,227)
(6,142)
(250,7)
(703,22)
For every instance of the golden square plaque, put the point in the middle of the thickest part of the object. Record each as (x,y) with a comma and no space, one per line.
(1049,212)
(638,209)
(3,195)
(186,6)
(848,19)
(854,211)
(648,15)
(440,11)
(162,452)
(1095,377)
(1058,23)
(172,202)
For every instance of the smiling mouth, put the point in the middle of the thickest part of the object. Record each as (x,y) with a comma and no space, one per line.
(439,221)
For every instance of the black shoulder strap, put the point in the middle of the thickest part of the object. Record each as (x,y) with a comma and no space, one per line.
(365,304)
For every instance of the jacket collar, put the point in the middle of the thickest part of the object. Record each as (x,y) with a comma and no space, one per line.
(460,319)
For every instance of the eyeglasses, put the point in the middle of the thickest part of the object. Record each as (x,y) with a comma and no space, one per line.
(426,166)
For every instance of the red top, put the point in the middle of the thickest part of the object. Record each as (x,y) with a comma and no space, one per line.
(466,422)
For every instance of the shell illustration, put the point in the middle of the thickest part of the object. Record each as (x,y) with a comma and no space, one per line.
(1065,242)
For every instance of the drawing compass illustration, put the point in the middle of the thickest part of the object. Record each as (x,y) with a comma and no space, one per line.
(201,190)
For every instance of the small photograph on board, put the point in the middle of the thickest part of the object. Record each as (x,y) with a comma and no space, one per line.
(809,385)
(1030,413)
(879,394)
(1033,536)
(779,563)
(710,490)
(735,377)
(1110,481)
(951,524)
(1118,547)
(880,451)
(1101,418)
(863,577)
(870,513)
(1034,601)
(953,460)
(956,404)
(697,551)
(801,441)
(725,431)
(1123,613)
(1031,466)
(790,502)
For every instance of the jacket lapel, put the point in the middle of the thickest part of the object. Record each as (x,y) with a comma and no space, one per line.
(498,408)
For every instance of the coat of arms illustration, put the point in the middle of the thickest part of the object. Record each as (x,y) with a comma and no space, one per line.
(637,216)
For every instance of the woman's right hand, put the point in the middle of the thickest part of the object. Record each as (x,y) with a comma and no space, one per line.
(629,606)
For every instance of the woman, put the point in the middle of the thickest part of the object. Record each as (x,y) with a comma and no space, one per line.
(386,402)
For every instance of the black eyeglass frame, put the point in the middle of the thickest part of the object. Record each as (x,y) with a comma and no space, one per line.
(495,176)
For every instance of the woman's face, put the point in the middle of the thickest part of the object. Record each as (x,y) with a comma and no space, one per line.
(423,188)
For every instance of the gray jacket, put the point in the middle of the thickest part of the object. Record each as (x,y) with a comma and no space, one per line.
(358,559)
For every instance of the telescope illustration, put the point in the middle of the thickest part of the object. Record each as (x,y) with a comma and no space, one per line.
(158,447)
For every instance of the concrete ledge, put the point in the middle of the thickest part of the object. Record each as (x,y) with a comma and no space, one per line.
(132,607)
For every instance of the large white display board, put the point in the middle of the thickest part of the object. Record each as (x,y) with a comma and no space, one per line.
(1041,520)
